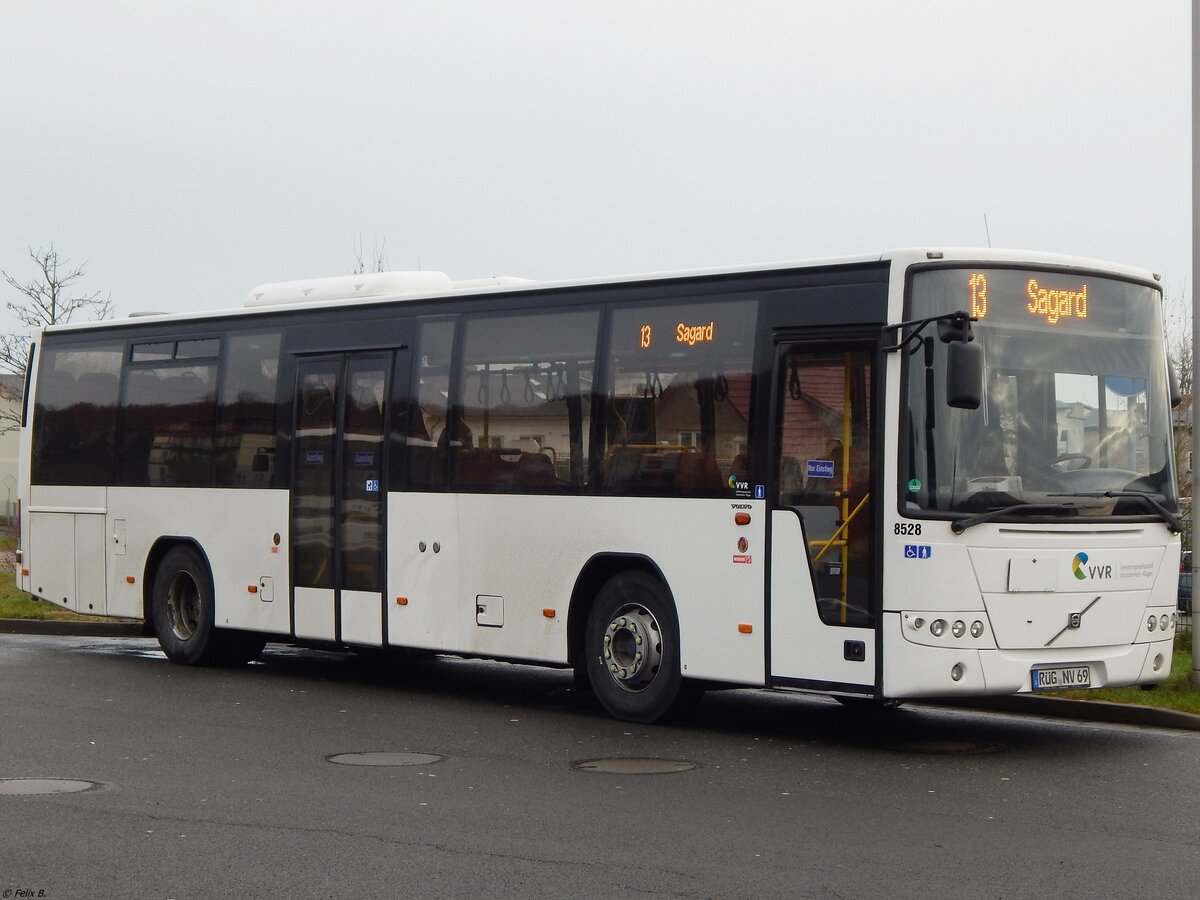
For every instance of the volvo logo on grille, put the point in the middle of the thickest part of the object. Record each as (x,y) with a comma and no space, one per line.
(1074,621)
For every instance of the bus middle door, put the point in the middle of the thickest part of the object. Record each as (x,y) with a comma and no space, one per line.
(338,492)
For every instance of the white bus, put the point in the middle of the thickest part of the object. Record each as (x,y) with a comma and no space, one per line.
(918,474)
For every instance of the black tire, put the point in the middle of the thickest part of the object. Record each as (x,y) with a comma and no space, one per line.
(631,649)
(182,609)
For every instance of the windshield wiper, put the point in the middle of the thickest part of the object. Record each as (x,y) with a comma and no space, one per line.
(958,526)
(1173,521)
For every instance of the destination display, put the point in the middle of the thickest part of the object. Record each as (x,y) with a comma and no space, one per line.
(686,330)
(1045,300)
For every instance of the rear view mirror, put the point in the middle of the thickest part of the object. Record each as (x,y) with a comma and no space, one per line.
(964,375)
(1173,378)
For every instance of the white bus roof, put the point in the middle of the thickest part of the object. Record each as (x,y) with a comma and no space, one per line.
(407,286)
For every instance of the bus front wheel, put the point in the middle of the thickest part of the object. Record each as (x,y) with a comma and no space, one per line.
(182,608)
(632,649)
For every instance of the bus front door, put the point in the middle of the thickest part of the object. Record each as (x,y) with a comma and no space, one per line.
(823,582)
(338,492)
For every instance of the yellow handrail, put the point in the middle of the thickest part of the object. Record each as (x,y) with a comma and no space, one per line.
(845,524)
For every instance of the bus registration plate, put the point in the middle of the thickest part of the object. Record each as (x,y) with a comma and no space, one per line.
(1061,678)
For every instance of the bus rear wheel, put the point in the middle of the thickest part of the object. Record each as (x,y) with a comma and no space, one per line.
(632,649)
(182,608)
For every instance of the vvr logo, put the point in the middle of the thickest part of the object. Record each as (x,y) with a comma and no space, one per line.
(1081,570)
(738,485)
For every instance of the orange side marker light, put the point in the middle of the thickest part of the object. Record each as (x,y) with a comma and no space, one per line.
(549,613)
(252,588)
(402,601)
(129,579)
(745,629)
(742,518)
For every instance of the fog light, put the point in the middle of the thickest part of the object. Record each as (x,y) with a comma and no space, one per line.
(918,623)
(959,628)
(1151,623)
(1158,662)
(976,628)
(957,672)
(1162,623)
(937,627)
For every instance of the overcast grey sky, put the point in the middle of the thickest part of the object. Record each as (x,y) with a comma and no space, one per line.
(188,151)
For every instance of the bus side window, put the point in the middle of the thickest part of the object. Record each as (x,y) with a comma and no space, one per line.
(75,415)
(677,417)
(426,432)
(525,392)
(246,417)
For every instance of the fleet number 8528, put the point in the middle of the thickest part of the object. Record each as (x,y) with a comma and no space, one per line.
(908,528)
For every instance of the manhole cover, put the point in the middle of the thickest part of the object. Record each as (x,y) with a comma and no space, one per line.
(26,787)
(945,747)
(632,765)
(384,758)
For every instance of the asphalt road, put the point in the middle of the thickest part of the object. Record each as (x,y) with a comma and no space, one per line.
(218,783)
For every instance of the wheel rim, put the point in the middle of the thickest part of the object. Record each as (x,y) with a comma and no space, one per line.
(183,605)
(633,648)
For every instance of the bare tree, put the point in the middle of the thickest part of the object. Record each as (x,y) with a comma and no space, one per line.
(379,260)
(1177,324)
(1177,313)
(48,298)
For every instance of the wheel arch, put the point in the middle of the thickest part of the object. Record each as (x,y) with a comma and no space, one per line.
(598,570)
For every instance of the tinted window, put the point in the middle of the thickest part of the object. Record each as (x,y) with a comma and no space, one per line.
(677,417)
(526,386)
(75,414)
(168,415)
(246,420)
(427,435)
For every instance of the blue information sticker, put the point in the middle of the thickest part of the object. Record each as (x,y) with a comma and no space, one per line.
(819,468)
(917,551)
(314,457)
(364,458)
(372,485)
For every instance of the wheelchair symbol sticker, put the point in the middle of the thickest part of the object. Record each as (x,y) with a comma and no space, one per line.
(917,551)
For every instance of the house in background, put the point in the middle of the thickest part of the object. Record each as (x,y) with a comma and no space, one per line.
(10,387)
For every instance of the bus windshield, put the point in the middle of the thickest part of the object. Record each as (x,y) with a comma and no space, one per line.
(1076,402)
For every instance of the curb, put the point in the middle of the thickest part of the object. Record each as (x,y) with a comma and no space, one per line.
(1021,704)
(72,628)
(1078,710)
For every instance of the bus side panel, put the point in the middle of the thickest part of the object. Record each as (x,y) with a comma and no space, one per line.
(500,583)
(64,552)
(235,529)
(50,557)
(424,606)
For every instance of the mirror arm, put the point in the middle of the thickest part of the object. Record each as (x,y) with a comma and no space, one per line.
(958,328)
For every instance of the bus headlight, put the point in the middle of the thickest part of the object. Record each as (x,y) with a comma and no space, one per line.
(1163,622)
(959,628)
(1151,623)
(937,627)
(976,628)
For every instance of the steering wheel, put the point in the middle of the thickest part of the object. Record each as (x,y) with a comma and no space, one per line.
(1068,457)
